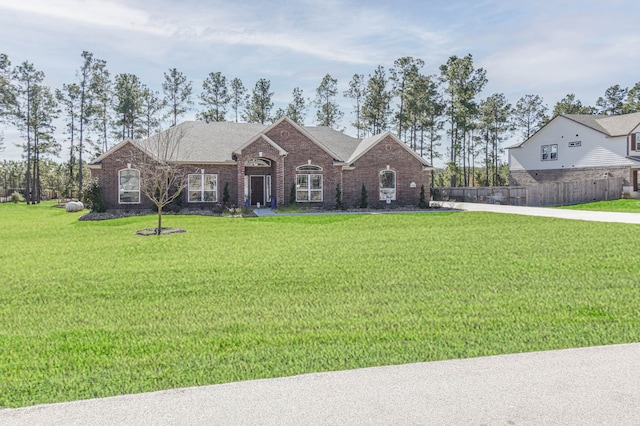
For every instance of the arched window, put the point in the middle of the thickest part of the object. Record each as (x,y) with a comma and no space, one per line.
(308,168)
(129,186)
(309,184)
(387,185)
(257,162)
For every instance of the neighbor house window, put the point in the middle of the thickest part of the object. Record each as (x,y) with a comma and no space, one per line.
(129,186)
(387,185)
(308,185)
(549,152)
(202,188)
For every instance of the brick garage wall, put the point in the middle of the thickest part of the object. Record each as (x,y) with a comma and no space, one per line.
(367,170)
(300,150)
(535,177)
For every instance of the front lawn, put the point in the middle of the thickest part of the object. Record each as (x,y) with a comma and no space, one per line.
(625,205)
(88,309)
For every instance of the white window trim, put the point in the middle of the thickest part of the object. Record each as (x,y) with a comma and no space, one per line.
(121,191)
(385,191)
(309,190)
(550,148)
(202,188)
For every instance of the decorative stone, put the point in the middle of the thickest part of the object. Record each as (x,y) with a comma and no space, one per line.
(74,206)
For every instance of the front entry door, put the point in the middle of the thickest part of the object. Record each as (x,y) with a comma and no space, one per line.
(257,190)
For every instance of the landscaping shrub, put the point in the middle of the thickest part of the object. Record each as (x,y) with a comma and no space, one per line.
(92,197)
(292,194)
(364,203)
(339,205)
(16,197)
(423,202)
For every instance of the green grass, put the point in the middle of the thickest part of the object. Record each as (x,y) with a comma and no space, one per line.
(88,309)
(624,205)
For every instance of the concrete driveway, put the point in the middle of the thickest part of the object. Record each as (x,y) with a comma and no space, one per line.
(633,218)
(589,386)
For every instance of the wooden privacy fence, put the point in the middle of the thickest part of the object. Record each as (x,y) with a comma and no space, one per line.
(549,194)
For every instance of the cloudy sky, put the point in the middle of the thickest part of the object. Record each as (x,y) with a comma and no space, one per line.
(544,47)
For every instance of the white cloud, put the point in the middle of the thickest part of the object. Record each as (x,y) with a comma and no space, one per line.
(103,13)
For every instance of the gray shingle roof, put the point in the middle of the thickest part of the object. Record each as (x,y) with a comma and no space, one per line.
(215,142)
(610,125)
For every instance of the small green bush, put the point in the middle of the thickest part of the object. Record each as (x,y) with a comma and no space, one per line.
(423,199)
(92,197)
(16,197)
(339,205)
(292,194)
(364,201)
(225,195)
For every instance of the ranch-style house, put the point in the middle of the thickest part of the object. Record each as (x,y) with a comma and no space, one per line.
(266,165)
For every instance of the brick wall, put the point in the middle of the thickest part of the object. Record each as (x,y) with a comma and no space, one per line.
(300,150)
(367,170)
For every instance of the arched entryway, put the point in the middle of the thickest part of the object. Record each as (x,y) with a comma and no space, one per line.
(258,182)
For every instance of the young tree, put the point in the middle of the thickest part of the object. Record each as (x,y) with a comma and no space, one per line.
(177,94)
(613,101)
(215,97)
(404,73)
(376,109)
(162,180)
(238,96)
(570,105)
(357,91)
(259,106)
(632,102)
(328,113)
(530,114)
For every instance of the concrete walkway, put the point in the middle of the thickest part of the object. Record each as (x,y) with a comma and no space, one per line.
(589,386)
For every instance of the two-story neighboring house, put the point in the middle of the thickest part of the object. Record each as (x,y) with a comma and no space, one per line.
(576,147)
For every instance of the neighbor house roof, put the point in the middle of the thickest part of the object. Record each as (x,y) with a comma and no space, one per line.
(609,125)
(215,142)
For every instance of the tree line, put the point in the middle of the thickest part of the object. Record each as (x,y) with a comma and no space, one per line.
(99,110)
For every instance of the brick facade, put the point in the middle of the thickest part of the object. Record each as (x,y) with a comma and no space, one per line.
(286,147)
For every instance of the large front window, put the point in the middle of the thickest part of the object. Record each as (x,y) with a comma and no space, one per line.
(129,186)
(203,188)
(309,188)
(387,185)
(549,152)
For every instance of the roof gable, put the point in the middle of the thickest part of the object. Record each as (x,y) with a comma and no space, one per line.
(267,139)
(608,125)
(367,144)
